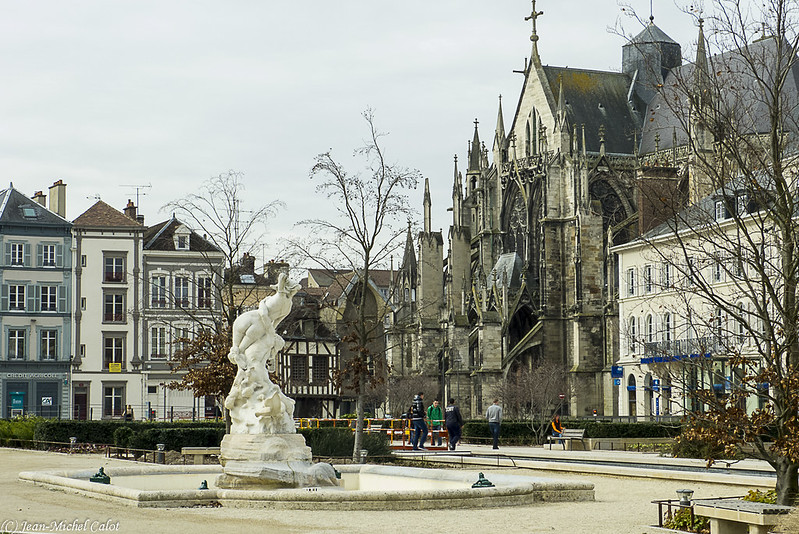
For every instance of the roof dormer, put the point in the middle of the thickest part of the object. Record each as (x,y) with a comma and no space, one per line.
(181,237)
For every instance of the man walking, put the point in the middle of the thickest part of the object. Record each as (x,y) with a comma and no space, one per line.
(454,422)
(494,416)
(417,423)
(436,417)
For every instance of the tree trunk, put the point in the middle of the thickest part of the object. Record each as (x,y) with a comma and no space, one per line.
(787,481)
(356,448)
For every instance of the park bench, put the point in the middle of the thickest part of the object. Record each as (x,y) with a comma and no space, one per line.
(569,434)
(199,453)
(734,515)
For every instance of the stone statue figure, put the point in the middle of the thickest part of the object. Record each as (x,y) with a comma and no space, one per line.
(263,449)
(256,404)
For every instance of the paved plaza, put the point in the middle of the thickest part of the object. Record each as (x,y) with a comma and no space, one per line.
(622,506)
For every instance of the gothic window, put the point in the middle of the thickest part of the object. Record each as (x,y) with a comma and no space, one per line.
(613,210)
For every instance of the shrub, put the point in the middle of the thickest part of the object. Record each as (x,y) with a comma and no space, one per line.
(685,447)
(176,438)
(123,435)
(339,442)
(681,520)
(19,428)
(768,497)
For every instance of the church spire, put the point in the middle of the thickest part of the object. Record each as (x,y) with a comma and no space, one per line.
(409,257)
(427,205)
(534,36)
(701,70)
(499,133)
(561,113)
(474,152)
(457,196)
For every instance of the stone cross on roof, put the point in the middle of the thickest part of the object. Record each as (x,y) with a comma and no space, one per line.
(533,16)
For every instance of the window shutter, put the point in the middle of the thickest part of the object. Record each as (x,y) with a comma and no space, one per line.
(59,255)
(8,254)
(62,299)
(4,298)
(39,255)
(34,294)
(26,255)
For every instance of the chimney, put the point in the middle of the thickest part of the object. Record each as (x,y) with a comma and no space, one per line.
(140,219)
(273,269)
(248,263)
(40,198)
(130,210)
(58,198)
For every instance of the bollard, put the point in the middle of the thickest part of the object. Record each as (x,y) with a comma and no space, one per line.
(72,443)
(160,456)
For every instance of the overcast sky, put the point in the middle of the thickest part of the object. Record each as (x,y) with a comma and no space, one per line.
(107,95)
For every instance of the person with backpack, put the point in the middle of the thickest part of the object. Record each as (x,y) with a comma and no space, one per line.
(417,423)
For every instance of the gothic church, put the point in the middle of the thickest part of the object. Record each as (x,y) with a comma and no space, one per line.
(528,275)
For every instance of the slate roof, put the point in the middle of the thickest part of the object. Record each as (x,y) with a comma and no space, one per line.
(744,98)
(101,215)
(12,202)
(652,34)
(161,237)
(596,98)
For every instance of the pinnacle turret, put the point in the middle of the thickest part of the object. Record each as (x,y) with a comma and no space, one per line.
(427,205)
(474,151)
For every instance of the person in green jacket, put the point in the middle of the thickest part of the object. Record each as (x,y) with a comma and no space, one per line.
(436,417)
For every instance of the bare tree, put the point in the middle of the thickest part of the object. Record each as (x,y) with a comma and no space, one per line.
(731,249)
(402,388)
(216,212)
(534,395)
(372,207)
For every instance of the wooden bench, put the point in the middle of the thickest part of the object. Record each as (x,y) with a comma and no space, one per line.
(199,453)
(569,434)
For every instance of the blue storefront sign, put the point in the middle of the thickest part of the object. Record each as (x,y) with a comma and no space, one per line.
(617,371)
(17,400)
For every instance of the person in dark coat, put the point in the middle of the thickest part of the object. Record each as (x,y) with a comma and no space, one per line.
(454,422)
(418,424)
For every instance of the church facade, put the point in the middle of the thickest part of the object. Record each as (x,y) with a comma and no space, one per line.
(528,275)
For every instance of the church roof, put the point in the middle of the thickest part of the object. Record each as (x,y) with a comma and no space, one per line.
(666,119)
(597,98)
(651,34)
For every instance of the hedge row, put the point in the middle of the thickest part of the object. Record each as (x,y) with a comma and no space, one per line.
(17,429)
(520,431)
(328,442)
(102,432)
(339,442)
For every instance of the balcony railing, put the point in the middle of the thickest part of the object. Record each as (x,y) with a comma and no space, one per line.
(114,317)
(664,351)
(113,276)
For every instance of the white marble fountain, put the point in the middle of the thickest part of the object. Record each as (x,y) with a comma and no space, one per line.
(266,464)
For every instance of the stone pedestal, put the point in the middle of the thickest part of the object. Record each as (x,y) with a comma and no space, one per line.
(267,461)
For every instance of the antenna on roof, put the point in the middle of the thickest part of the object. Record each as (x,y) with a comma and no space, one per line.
(95,196)
(651,13)
(138,189)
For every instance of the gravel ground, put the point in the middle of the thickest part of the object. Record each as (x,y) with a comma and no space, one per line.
(622,506)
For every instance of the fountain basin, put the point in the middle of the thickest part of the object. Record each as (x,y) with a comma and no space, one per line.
(363,487)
